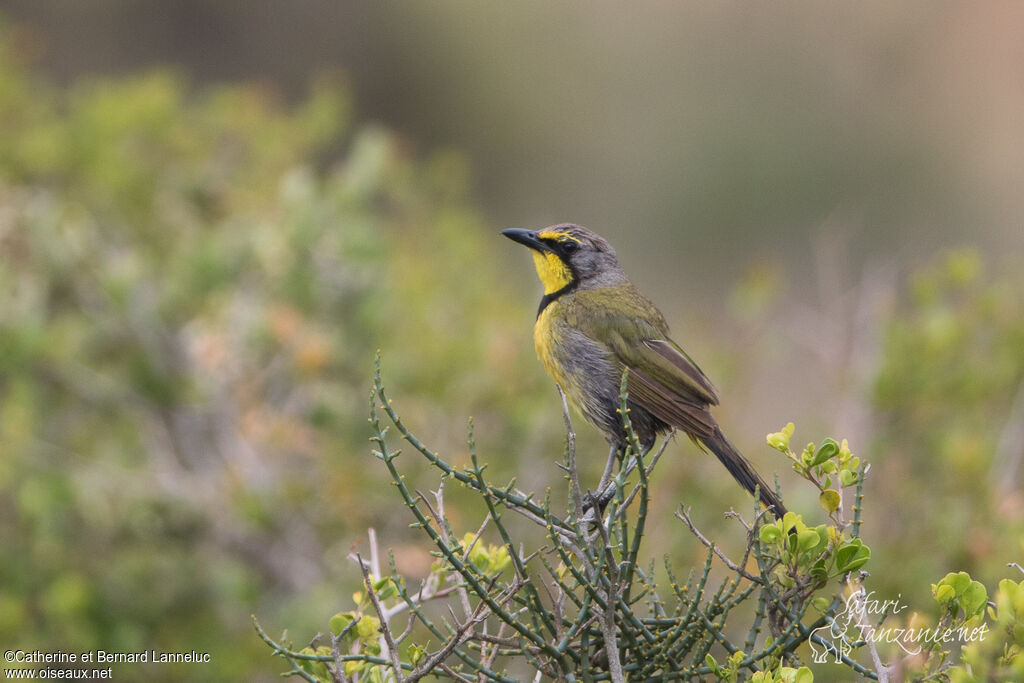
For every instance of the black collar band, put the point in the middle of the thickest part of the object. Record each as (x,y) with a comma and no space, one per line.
(548,298)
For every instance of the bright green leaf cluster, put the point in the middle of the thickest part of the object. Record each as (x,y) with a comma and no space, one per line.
(490,560)
(830,466)
(1010,606)
(822,551)
(785,674)
(828,460)
(341,621)
(729,671)
(372,673)
(960,595)
(1000,655)
(780,440)
(415,653)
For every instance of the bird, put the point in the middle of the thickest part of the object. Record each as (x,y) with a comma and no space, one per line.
(593,325)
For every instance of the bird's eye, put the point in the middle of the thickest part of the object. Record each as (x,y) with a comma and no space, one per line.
(569,246)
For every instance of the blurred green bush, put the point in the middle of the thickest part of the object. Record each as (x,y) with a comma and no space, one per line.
(949,403)
(194,287)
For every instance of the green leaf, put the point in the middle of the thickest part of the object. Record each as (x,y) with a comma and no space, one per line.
(770,534)
(830,500)
(367,627)
(960,582)
(943,593)
(819,572)
(780,440)
(480,558)
(844,451)
(316,668)
(807,540)
(826,451)
(821,603)
(803,675)
(500,559)
(1018,600)
(792,542)
(1009,589)
(386,588)
(847,478)
(861,559)
(306,664)
(711,663)
(851,556)
(340,621)
(974,599)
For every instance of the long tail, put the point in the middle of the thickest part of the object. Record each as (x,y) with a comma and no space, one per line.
(743,471)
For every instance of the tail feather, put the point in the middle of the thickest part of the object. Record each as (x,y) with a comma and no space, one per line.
(743,471)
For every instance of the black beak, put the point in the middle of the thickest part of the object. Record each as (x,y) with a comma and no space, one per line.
(526,237)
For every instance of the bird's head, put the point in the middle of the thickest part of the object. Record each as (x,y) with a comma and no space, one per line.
(569,255)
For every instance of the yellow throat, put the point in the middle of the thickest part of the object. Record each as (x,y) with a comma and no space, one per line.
(553,272)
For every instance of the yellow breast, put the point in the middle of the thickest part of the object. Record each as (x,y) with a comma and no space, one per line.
(550,338)
(545,342)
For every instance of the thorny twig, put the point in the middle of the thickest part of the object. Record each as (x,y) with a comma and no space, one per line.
(385,628)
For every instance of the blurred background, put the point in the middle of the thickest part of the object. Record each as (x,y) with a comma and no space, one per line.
(212,214)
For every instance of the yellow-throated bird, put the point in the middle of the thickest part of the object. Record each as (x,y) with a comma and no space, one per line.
(593,325)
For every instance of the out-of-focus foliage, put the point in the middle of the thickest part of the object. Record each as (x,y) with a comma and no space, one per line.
(190,310)
(950,400)
(999,657)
